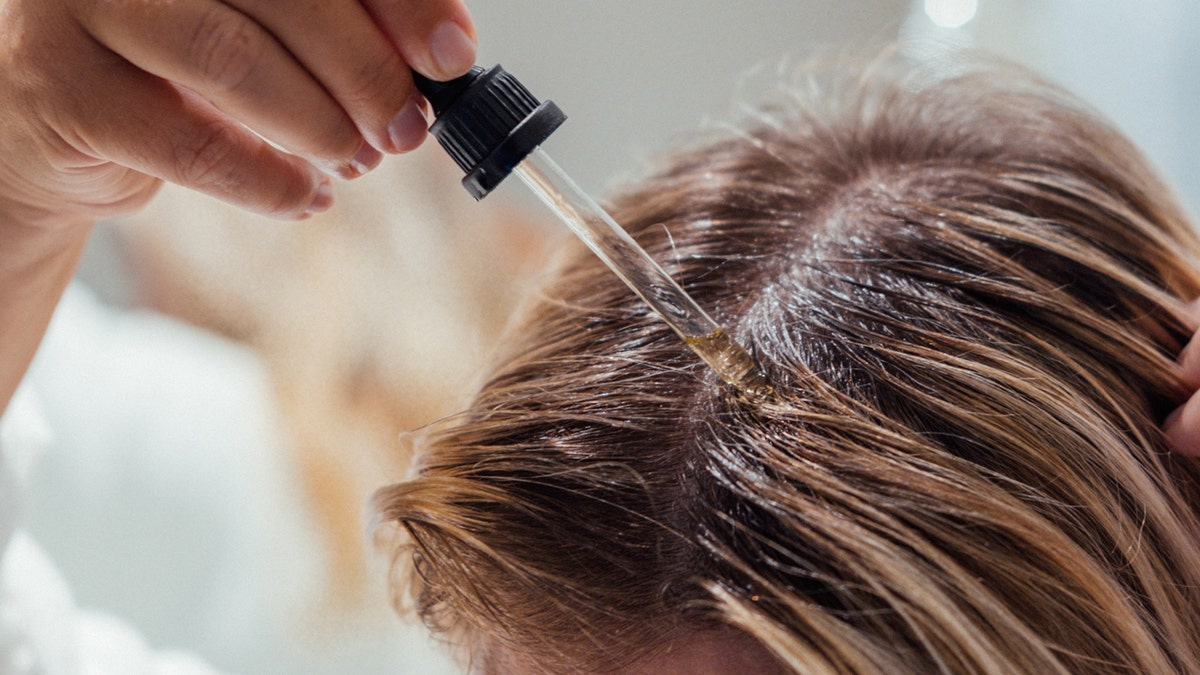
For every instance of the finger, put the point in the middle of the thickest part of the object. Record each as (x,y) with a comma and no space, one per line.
(341,45)
(177,136)
(1182,428)
(1189,363)
(436,37)
(233,62)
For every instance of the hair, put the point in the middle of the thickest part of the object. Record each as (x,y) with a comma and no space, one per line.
(967,293)
(318,301)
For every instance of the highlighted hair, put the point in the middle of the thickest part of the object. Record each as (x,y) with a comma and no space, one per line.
(967,293)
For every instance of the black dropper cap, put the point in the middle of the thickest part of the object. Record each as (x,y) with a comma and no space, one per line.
(488,122)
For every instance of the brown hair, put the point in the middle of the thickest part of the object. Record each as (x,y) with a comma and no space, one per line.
(967,293)
(319,302)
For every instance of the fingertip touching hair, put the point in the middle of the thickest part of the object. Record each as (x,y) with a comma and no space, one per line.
(967,293)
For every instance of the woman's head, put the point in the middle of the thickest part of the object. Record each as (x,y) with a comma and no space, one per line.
(966,293)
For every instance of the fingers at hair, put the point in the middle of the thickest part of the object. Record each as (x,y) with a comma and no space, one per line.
(1182,428)
(1189,362)
(436,37)
(233,62)
(179,137)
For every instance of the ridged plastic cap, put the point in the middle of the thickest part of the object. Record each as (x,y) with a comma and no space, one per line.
(488,122)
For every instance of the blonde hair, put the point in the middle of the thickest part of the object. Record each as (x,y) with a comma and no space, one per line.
(967,293)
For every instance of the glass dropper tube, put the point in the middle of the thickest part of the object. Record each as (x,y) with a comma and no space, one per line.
(491,125)
(640,272)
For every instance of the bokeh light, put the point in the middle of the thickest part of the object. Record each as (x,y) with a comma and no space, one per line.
(951,13)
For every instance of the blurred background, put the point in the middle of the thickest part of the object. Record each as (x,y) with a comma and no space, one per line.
(225,392)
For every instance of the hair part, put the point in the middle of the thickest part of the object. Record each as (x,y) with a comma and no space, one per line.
(967,293)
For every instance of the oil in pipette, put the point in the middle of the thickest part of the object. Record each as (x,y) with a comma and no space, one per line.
(613,245)
(492,126)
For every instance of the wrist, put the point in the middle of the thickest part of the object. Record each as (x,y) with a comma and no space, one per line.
(36,263)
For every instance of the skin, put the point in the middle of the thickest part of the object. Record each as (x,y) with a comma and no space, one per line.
(257,103)
(101,101)
(1182,426)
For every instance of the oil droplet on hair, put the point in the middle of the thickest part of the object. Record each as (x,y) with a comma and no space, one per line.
(642,274)
(732,363)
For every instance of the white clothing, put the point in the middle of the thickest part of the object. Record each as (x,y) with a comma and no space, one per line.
(42,631)
(165,497)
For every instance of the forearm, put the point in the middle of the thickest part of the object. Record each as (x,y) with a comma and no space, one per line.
(36,263)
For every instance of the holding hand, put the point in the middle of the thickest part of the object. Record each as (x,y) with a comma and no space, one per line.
(252,101)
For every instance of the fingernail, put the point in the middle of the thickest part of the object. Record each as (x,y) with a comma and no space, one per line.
(323,200)
(452,49)
(364,160)
(407,129)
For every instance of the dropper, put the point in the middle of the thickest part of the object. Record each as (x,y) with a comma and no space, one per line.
(492,126)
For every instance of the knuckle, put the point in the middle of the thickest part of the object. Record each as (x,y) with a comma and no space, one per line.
(291,195)
(337,141)
(207,157)
(291,200)
(339,144)
(376,81)
(225,49)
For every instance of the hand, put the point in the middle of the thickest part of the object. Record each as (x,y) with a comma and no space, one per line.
(100,101)
(1182,426)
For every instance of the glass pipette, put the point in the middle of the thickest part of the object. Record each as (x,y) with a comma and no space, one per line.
(492,126)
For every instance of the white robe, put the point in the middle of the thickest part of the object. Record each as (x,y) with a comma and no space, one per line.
(143,454)
(42,630)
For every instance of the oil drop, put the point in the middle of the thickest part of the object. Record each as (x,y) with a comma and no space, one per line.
(492,126)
